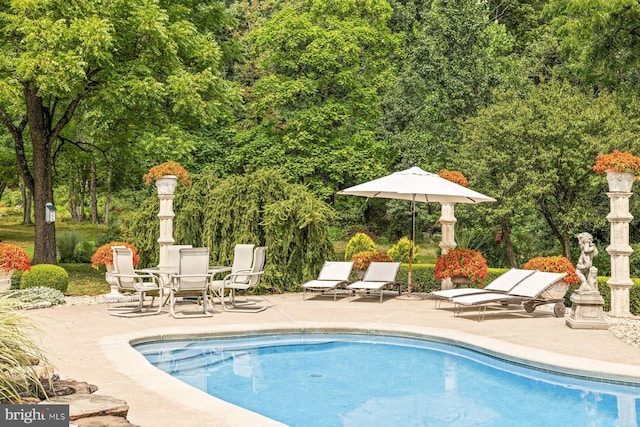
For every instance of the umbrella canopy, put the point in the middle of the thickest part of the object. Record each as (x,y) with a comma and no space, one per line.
(415,184)
(419,185)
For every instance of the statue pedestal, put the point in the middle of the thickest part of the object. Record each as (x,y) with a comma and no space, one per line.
(587,311)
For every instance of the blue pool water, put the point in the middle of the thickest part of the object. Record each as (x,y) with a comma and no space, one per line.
(313,380)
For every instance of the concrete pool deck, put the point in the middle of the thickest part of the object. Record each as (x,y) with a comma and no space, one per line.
(85,343)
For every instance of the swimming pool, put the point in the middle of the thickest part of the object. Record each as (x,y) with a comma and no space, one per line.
(370,380)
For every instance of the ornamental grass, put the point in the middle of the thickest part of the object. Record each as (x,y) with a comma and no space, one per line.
(21,359)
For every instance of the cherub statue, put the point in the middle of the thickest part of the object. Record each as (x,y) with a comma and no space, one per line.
(585,269)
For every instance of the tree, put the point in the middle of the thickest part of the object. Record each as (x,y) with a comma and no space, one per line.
(313,106)
(455,57)
(536,152)
(257,208)
(146,64)
(601,41)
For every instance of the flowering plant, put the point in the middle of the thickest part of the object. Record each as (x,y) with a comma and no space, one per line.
(13,257)
(554,264)
(617,161)
(104,254)
(362,260)
(462,262)
(454,176)
(167,168)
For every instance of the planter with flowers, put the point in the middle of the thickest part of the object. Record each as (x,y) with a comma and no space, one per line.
(104,256)
(555,264)
(620,168)
(454,176)
(12,258)
(166,176)
(462,266)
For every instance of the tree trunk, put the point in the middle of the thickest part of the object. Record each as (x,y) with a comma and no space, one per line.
(508,244)
(95,219)
(562,237)
(107,202)
(26,203)
(44,250)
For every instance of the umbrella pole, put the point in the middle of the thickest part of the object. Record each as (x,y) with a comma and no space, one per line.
(413,235)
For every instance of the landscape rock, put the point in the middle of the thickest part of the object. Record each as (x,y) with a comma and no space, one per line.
(103,421)
(90,405)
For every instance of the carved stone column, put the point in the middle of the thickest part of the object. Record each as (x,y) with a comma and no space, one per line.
(448,241)
(166,189)
(620,184)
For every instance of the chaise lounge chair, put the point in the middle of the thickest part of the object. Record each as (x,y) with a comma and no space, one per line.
(332,276)
(502,284)
(526,293)
(378,276)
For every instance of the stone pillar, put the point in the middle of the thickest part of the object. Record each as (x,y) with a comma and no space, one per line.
(620,184)
(166,189)
(448,241)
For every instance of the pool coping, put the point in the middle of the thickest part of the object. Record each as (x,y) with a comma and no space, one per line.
(133,365)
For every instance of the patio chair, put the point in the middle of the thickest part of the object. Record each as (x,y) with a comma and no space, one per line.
(242,261)
(332,276)
(128,279)
(502,284)
(526,293)
(378,276)
(192,280)
(243,280)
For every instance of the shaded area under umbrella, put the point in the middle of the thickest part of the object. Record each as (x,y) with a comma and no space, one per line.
(415,184)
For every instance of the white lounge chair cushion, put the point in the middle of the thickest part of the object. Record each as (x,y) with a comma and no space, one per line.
(323,284)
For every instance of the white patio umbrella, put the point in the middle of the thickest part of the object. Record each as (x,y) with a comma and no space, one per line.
(415,184)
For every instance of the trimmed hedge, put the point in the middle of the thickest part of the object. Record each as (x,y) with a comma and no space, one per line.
(46,275)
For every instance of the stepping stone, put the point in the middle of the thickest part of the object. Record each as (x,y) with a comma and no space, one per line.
(91,405)
(103,421)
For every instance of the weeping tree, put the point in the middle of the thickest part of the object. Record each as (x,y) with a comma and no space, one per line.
(262,208)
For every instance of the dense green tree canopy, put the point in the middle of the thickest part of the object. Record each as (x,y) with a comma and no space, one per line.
(133,67)
(314,108)
(535,154)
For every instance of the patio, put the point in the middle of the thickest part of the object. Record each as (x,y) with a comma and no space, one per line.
(87,344)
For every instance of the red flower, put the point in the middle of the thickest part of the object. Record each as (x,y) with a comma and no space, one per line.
(104,254)
(554,264)
(617,161)
(13,257)
(362,260)
(462,262)
(167,168)
(454,176)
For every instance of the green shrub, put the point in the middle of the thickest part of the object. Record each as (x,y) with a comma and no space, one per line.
(47,275)
(66,243)
(400,251)
(359,243)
